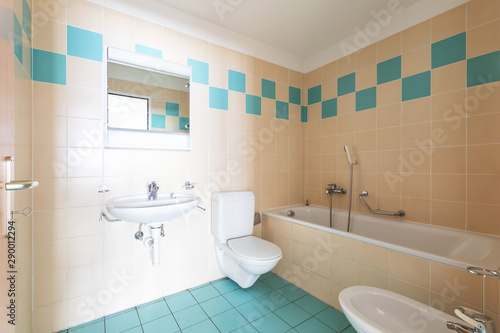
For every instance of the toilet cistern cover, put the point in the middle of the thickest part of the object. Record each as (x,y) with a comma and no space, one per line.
(254,248)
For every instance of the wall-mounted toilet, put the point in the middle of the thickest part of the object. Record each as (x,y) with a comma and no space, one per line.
(242,257)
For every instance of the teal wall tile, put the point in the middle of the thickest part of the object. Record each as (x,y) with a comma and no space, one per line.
(218,98)
(18,39)
(157,121)
(172,109)
(49,67)
(366,99)
(84,44)
(281,110)
(268,89)
(389,70)
(346,84)
(200,71)
(183,124)
(294,95)
(303,114)
(314,95)
(253,105)
(237,81)
(416,86)
(329,108)
(150,51)
(483,69)
(26,19)
(448,51)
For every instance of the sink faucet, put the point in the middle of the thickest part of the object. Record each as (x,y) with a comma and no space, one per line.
(153,190)
(480,322)
(332,188)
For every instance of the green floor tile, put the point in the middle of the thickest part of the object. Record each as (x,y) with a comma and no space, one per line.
(190,316)
(292,292)
(314,325)
(271,323)
(238,297)
(122,321)
(215,306)
(259,289)
(205,326)
(229,321)
(333,318)
(311,304)
(180,301)
(165,324)
(274,300)
(253,310)
(152,311)
(205,293)
(292,314)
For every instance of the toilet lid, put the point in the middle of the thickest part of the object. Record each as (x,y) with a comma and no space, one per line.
(254,248)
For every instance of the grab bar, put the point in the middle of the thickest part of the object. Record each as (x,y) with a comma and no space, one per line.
(17,185)
(379,211)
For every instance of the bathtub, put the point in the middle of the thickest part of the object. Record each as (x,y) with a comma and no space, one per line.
(447,246)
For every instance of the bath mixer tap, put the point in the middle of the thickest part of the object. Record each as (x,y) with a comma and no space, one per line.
(153,191)
(332,188)
(480,322)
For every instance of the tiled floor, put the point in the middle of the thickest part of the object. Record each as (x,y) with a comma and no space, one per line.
(270,305)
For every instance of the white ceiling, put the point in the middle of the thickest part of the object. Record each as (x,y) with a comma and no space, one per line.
(300,27)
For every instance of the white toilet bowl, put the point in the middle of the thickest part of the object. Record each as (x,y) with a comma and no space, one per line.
(242,257)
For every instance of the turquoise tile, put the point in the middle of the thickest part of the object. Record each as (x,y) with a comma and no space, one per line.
(311,304)
(18,40)
(346,84)
(246,329)
(215,306)
(266,276)
(200,286)
(329,108)
(416,86)
(333,318)
(154,310)
(268,89)
(281,110)
(172,109)
(205,293)
(49,67)
(84,44)
(122,321)
(225,286)
(253,310)
(218,98)
(237,81)
(157,121)
(271,323)
(165,324)
(276,282)
(483,69)
(389,70)
(259,289)
(199,71)
(350,329)
(292,292)
(294,95)
(190,316)
(448,51)
(238,297)
(183,124)
(273,300)
(150,51)
(205,326)
(26,19)
(180,301)
(292,314)
(314,325)
(229,321)
(253,105)
(137,329)
(303,114)
(366,99)
(314,95)
(96,326)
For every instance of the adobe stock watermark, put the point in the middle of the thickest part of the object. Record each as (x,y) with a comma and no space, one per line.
(224,6)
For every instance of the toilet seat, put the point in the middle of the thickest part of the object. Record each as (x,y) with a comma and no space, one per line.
(253,248)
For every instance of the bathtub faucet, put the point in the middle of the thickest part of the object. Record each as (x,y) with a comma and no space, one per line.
(480,322)
(332,188)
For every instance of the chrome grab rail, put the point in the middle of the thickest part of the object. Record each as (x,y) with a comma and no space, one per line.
(483,272)
(379,211)
(16,185)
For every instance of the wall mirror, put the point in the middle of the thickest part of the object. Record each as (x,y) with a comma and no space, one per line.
(147,102)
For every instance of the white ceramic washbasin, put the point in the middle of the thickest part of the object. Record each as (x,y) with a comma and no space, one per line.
(138,209)
(374,310)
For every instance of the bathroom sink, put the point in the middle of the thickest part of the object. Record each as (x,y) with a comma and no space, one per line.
(138,209)
(374,310)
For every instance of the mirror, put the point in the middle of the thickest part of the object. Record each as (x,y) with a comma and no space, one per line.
(147,102)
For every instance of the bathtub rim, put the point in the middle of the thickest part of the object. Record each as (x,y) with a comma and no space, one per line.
(484,263)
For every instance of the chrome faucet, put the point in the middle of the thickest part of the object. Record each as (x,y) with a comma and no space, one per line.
(153,190)
(332,188)
(480,322)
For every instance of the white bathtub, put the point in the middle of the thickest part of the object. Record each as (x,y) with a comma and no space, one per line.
(448,246)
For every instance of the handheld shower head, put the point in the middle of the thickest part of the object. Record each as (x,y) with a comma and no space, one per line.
(351,162)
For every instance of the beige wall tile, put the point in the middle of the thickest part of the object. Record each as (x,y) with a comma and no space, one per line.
(410,269)
(329,89)
(85,15)
(448,24)
(372,278)
(344,272)
(329,72)
(366,120)
(449,160)
(367,56)
(373,256)
(416,186)
(417,210)
(346,65)
(476,155)
(389,116)
(483,189)
(253,66)
(346,104)
(389,48)
(409,290)
(236,61)
(313,78)
(449,187)
(417,36)
(482,99)
(416,111)
(416,136)
(417,61)
(366,78)
(448,78)
(483,129)
(479,218)
(482,11)
(483,39)
(50,36)
(448,214)
(389,93)
(448,105)
(389,138)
